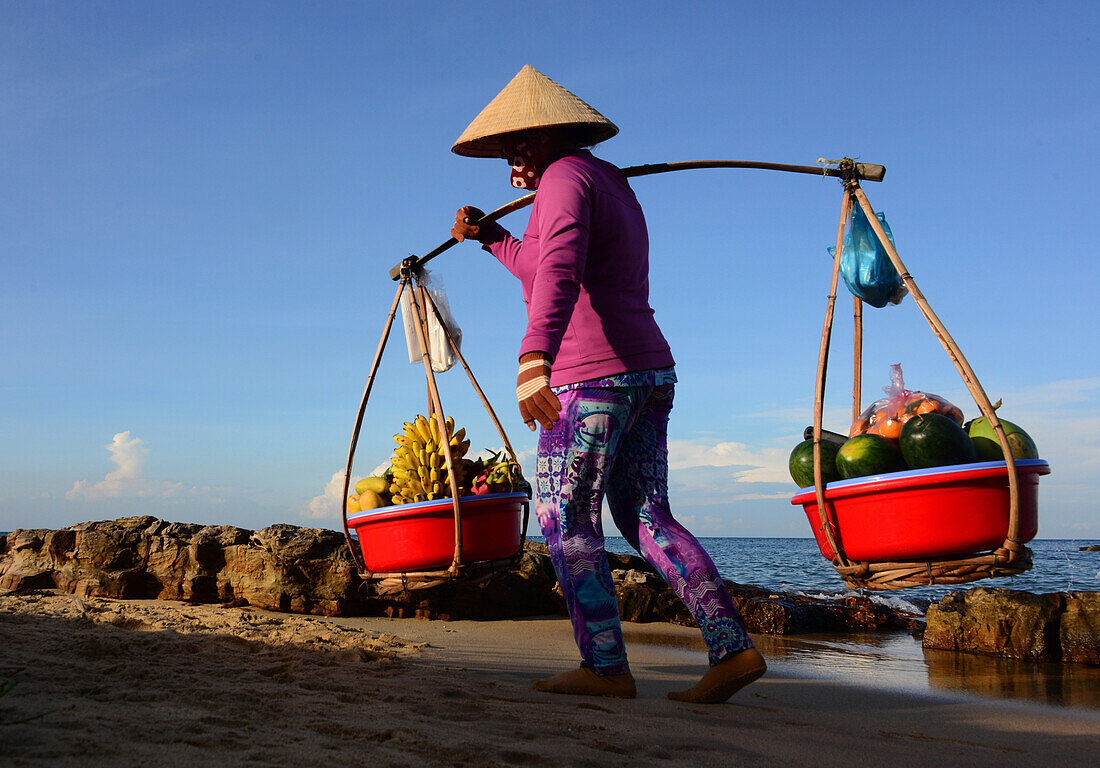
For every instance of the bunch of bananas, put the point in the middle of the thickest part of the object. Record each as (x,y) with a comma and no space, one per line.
(419,464)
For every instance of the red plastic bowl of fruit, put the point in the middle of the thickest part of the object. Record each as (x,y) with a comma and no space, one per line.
(421,536)
(925,513)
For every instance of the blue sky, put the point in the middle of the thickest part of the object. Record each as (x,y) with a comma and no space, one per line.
(201,202)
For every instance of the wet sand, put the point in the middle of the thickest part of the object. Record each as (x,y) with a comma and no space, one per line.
(146,683)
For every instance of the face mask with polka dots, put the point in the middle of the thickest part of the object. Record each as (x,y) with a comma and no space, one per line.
(528,159)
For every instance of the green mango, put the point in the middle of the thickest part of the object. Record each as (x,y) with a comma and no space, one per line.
(988,449)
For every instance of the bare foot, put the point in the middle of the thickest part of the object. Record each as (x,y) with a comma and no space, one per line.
(725,678)
(585,682)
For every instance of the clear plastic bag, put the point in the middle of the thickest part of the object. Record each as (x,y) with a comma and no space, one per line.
(439,349)
(865,265)
(885,417)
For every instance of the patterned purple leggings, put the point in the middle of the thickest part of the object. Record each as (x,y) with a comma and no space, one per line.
(613,440)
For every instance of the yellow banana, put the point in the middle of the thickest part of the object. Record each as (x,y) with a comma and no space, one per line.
(422,428)
(401,439)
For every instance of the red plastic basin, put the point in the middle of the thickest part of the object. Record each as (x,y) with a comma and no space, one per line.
(923,513)
(421,536)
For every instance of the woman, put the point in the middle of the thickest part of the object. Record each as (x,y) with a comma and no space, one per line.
(597,375)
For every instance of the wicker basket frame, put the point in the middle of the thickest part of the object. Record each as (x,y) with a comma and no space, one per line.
(1012,557)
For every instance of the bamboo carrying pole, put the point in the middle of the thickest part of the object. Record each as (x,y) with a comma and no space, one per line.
(848,168)
(1009,559)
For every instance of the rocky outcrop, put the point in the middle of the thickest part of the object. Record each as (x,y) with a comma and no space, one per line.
(644,596)
(1057,626)
(283,567)
(1089,548)
(310,570)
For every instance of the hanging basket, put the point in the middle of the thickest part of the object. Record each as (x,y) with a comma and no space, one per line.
(949,525)
(925,513)
(425,543)
(420,536)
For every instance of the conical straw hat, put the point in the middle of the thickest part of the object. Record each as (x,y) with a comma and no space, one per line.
(531,100)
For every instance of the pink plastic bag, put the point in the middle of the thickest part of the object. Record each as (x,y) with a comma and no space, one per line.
(886,416)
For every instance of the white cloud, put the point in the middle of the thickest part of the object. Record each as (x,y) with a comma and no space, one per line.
(747,464)
(328,504)
(126,480)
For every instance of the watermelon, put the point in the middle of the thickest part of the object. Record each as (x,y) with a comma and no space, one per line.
(801,463)
(934,440)
(868,454)
(987,447)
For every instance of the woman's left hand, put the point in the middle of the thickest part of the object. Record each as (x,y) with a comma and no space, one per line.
(537,402)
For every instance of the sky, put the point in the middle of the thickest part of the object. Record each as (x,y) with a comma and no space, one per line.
(201,202)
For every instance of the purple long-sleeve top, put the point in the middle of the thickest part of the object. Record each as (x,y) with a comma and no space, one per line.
(584,266)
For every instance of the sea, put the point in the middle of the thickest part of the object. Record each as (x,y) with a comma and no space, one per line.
(797,566)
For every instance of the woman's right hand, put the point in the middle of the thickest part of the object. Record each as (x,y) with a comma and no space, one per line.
(465,226)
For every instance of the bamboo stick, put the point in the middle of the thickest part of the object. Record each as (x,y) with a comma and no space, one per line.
(419,294)
(356,555)
(857,357)
(957,357)
(819,394)
(433,395)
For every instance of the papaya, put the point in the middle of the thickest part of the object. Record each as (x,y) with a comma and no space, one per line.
(801,463)
(988,449)
(868,454)
(935,440)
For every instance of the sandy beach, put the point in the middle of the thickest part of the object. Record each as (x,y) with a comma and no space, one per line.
(101,682)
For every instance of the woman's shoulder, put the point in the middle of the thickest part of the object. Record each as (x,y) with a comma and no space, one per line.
(583,169)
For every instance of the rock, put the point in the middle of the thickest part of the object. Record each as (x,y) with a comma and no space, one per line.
(306,570)
(1079,629)
(1021,625)
(1089,548)
(310,570)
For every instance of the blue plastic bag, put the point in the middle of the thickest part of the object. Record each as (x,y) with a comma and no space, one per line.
(864,264)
